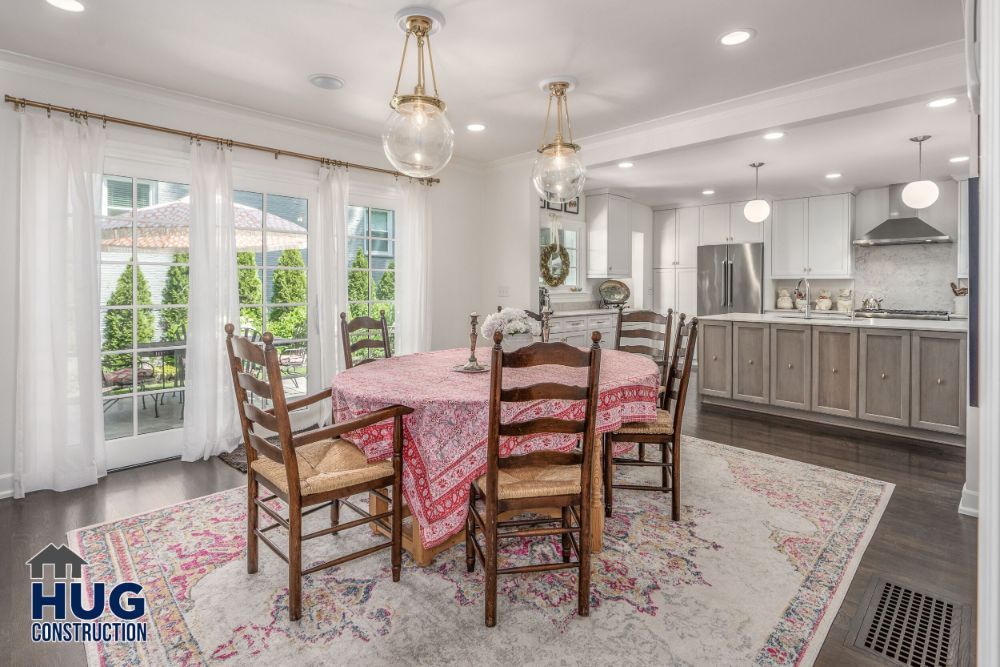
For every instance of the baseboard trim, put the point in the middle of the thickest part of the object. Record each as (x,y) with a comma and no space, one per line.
(6,485)
(969,506)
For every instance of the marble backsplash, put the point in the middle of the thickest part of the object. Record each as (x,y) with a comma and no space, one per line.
(906,276)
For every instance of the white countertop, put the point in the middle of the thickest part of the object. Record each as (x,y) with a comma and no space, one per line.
(843,321)
(580,313)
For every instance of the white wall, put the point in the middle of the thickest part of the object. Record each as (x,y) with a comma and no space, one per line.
(457,202)
(508,239)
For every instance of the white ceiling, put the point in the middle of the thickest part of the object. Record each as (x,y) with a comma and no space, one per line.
(869,150)
(635,60)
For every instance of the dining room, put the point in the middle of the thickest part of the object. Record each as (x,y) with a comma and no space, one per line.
(476,333)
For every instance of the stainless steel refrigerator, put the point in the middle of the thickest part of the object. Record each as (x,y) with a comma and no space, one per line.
(730,278)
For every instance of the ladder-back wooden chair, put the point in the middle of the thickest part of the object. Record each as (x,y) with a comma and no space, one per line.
(310,469)
(658,333)
(541,479)
(542,318)
(369,325)
(665,431)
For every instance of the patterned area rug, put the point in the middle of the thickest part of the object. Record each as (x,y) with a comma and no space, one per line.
(754,573)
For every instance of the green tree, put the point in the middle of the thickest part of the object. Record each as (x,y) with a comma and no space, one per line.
(357,281)
(176,289)
(118,323)
(289,286)
(251,290)
(386,288)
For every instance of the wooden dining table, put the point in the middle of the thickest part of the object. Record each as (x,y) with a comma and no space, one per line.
(445,436)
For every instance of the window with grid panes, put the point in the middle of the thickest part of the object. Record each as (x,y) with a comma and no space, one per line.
(569,238)
(272,255)
(144,295)
(371,270)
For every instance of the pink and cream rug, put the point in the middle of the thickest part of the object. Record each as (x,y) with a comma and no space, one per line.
(754,573)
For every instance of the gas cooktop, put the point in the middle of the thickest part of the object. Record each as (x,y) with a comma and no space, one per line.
(905,314)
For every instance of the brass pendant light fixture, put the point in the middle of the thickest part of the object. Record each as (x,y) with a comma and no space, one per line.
(417,137)
(757,209)
(558,174)
(920,193)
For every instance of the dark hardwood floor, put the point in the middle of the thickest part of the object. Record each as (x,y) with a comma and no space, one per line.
(921,540)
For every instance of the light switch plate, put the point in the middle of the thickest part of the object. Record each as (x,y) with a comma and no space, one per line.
(503,291)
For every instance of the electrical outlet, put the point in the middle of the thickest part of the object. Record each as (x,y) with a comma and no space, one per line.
(503,291)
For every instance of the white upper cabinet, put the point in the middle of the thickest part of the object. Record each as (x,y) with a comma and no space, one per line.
(812,237)
(664,239)
(688,220)
(789,238)
(963,229)
(609,236)
(675,238)
(714,224)
(742,230)
(831,232)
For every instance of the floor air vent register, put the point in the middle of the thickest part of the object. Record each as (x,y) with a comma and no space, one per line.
(904,626)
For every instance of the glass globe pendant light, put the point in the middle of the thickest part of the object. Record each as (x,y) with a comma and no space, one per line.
(558,174)
(920,193)
(417,137)
(757,209)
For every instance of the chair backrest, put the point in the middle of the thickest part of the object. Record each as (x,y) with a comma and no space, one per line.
(658,332)
(542,317)
(544,354)
(679,375)
(256,371)
(368,324)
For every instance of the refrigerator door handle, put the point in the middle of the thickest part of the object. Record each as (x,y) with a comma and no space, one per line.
(725,283)
(731,272)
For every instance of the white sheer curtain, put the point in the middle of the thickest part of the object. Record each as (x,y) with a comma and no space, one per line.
(327,280)
(59,424)
(211,425)
(413,261)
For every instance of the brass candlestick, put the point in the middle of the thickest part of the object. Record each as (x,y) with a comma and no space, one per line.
(473,365)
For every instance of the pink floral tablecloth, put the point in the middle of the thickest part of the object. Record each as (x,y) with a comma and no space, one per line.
(445,436)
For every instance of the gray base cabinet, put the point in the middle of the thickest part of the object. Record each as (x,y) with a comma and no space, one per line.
(835,371)
(751,363)
(791,366)
(884,382)
(938,381)
(715,366)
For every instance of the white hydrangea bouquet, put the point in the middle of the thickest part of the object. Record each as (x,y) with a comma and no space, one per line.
(517,328)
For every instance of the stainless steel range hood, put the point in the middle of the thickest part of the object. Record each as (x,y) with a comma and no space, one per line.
(903,226)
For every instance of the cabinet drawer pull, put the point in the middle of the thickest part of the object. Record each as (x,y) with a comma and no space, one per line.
(884,376)
(940,381)
(715,357)
(751,362)
(789,366)
(834,370)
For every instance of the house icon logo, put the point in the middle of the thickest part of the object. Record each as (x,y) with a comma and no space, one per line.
(78,611)
(61,559)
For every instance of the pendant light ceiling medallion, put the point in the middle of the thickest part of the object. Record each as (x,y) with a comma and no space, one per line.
(558,174)
(920,193)
(757,209)
(417,137)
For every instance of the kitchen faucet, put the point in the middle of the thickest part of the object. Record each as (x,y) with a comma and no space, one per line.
(808,308)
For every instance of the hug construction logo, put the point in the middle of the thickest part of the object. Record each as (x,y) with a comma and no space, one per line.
(76,607)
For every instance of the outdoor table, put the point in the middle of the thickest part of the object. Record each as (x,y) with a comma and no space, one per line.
(445,437)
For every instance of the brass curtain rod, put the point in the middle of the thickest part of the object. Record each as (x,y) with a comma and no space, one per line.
(22,103)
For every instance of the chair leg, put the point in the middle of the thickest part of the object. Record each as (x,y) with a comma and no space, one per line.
(583,594)
(490,535)
(609,475)
(664,472)
(397,524)
(335,512)
(295,561)
(252,512)
(566,543)
(470,536)
(675,493)
(642,451)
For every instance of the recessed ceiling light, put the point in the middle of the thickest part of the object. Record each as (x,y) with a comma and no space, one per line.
(941,102)
(475,127)
(833,175)
(326,81)
(708,192)
(737,36)
(67,5)
(774,135)
(625,165)
(960,158)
